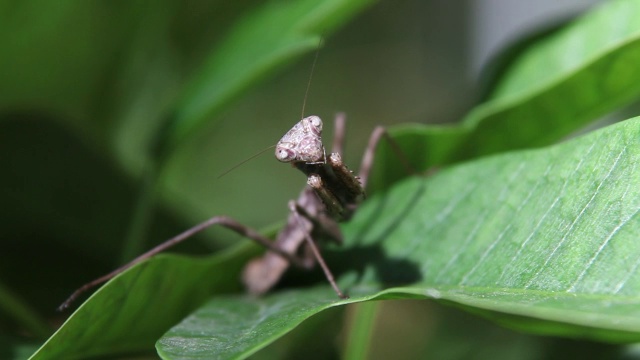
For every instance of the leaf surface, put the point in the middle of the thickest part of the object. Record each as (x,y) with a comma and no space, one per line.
(134,309)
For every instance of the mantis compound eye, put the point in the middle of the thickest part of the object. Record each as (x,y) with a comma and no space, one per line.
(316,123)
(284,154)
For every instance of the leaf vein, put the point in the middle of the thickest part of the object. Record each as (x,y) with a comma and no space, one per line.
(501,197)
(564,186)
(615,230)
(529,195)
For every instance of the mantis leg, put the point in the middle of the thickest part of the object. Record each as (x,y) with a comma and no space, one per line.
(217,220)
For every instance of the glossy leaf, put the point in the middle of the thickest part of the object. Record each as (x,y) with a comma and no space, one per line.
(547,237)
(237,326)
(550,92)
(130,312)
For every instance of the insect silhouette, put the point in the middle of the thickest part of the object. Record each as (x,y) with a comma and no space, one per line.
(332,194)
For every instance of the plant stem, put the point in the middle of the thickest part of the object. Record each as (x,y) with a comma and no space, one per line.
(142,214)
(361,325)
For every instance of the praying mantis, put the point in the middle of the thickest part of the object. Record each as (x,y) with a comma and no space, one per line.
(332,194)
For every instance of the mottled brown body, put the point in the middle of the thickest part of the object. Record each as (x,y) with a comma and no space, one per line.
(333,193)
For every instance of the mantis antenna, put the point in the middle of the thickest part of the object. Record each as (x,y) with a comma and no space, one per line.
(245,160)
(313,66)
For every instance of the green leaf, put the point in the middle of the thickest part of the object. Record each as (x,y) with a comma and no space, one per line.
(547,238)
(237,326)
(558,224)
(133,310)
(550,92)
(556,87)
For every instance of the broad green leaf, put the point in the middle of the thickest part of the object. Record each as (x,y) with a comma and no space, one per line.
(267,38)
(547,237)
(237,326)
(556,87)
(562,83)
(134,309)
